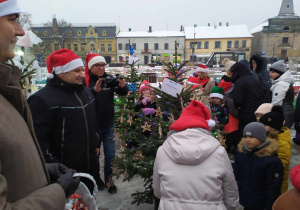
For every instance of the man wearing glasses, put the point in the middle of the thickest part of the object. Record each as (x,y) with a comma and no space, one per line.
(103,86)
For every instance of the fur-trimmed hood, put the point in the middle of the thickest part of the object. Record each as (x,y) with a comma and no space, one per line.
(259,61)
(266,151)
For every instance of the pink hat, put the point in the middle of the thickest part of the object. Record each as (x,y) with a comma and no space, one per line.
(90,60)
(62,61)
(8,7)
(195,115)
(264,108)
(295,177)
(144,85)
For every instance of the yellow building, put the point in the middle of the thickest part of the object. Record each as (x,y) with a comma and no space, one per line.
(232,41)
(82,39)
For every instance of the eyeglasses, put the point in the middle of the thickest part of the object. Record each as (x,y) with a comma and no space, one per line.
(100,65)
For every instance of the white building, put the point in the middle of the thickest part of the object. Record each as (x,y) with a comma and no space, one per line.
(151,46)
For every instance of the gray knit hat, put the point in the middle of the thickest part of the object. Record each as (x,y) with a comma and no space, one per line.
(257,130)
(278,67)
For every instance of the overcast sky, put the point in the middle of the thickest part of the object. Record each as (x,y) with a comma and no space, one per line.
(160,14)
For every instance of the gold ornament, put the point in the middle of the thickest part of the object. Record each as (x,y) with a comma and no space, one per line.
(160,131)
(130,120)
(117,136)
(115,171)
(110,183)
(194,97)
(146,127)
(139,155)
(158,112)
(171,119)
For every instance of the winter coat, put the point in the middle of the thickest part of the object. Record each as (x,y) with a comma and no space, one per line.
(105,109)
(208,86)
(261,72)
(192,171)
(233,122)
(24,180)
(247,94)
(221,113)
(140,105)
(284,142)
(282,94)
(297,114)
(64,121)
(259,175)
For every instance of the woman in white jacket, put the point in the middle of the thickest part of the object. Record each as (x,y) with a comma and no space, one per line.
(192,170)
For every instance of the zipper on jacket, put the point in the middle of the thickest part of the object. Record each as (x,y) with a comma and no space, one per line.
(62,141)
(87,131)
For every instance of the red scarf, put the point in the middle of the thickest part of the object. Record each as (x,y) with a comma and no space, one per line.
(203,81)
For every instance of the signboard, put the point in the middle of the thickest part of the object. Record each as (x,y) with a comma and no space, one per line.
(170,87)
(263,52)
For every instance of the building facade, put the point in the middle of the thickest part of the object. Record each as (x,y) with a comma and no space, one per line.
(278,37)
(151,46)
(80,38)
(202,41)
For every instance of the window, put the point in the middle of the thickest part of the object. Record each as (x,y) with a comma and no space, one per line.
(244,43)
(166,46)
(127,46)
(286,28)
(191,45)
(199,45)
(236,44)
(285,40)
(83,47)
(92,47)
(69,46)
(134,46)
(109,47)
(206,45)
(145,46)
(102,47)
(79,33)
(75,47)
(120,46)
(258,41)
(155,46)
(45,33)
(56,47)
(217,44)
(177,45)
(229,44)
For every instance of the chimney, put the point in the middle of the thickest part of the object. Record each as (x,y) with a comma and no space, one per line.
(208,24)
(150,29)
(181,28)
(220,24)
(227,24)
(215,26)
(129,29)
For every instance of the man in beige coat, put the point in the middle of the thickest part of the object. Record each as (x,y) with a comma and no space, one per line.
(24,179)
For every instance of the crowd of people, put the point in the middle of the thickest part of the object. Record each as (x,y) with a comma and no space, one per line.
(61,128)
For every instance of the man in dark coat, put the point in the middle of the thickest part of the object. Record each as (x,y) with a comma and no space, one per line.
(103,87)
(25,180)
(247,94)
(258,65)
(64,116)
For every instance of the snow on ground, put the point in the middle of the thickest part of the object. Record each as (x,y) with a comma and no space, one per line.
(122,200)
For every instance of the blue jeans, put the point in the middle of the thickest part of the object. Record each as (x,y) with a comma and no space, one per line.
(107,137)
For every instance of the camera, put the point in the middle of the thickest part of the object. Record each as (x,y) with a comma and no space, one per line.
(111,82)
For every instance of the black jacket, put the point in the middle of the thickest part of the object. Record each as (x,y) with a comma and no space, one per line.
(105,109)
(64,122)
(297,114)
(261,72)
(247,94)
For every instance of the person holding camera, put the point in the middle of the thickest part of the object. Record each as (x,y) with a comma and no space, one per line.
(63,115)
(103,87)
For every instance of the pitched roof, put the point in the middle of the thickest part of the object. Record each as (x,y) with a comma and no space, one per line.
(150,34)
(260,27)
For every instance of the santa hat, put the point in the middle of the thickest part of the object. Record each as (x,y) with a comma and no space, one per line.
(227,86)
(195,115)
(202,68)
(62,61)
(295,177)
(8,7)
(217,92)
(144,85)
(90,60)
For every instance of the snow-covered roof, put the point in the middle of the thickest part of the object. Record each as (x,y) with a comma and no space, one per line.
(217,32)
(260,27)
(150,34)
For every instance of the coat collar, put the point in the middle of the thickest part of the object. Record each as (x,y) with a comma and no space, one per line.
(59,83)
(268,150)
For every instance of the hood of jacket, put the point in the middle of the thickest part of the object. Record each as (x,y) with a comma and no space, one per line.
(266,151)
(239,70)
(285,136)
(286,77)
(259,62)
(191,146)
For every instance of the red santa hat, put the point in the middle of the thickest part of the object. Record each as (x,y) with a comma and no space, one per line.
(202,68)
(195,115)
(144,85)
(295,177)
(90,60)
(225,85)
(62,61)
(8,7)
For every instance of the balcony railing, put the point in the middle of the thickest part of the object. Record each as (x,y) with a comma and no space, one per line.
(146,51)
(285,45)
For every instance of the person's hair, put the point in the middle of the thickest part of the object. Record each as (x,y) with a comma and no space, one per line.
(206,75)
(273,134)
(228,73)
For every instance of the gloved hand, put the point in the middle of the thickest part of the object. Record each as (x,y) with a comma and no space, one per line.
(146,101)
(195,74)
(148,111)
(55,170)
(68,183)
(297,138)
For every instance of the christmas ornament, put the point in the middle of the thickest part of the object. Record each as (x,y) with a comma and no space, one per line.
(117,136)
(132,87)
(158,112)
(160,131)
(139,155)
(124,174)
(110,183)
(171,119)
(146,127)
(115,171)
(130,120)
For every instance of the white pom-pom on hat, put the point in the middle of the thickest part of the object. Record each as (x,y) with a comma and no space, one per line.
(50,76)
(211,123)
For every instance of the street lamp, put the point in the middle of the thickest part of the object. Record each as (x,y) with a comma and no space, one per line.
(195,25)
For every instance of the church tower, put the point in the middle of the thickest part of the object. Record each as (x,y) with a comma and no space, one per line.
(287,8)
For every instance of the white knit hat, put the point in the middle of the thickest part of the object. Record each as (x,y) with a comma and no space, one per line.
(8,7)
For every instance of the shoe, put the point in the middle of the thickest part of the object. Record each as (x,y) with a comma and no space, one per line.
(111,187)
(101,185)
